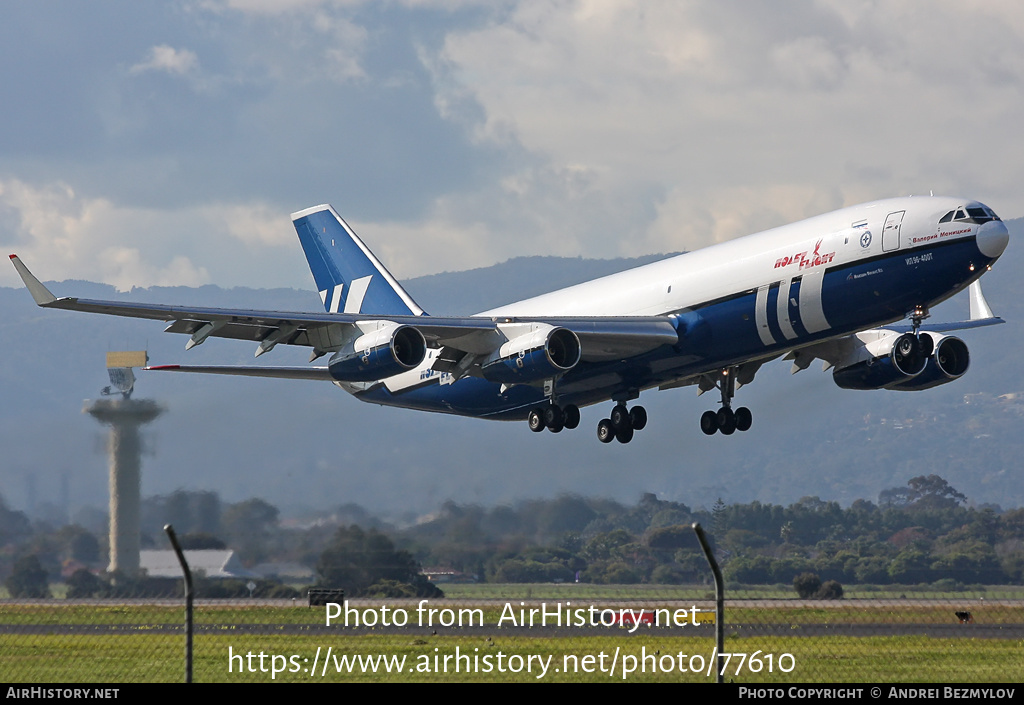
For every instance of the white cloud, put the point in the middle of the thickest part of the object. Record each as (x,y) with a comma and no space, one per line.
(91,238)
(168,59)
(781,105)
(586,127)
(694,220)
(255,225)
(270,7)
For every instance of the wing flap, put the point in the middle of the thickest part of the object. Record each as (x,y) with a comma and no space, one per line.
(602,340)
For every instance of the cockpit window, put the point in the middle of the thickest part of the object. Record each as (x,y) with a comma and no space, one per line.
(981,215)
(970,214)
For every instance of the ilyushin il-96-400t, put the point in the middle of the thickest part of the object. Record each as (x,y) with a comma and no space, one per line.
(852,287)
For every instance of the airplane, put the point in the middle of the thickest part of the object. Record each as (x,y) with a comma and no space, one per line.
(833,287)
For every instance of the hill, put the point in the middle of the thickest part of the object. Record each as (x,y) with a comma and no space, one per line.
(307,444)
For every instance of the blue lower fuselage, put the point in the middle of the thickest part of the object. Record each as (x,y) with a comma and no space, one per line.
(854,296)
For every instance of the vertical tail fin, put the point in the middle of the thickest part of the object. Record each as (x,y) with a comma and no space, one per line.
(348,276)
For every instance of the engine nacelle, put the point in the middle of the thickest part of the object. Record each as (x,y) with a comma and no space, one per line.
(949,361)
(389,350)
(541,353)
(906,359)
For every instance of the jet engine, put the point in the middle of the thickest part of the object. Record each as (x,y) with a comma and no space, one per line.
(949,361)
(389,350)
(908,364)
(906,357)
(543,352)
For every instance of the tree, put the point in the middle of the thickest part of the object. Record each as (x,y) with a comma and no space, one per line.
(934,492)
(187,511)
(14,525)
(923,492)
(82,583)
(201,541)
(78,544)
(248,525)
(28,579)
(830,590)
(672,537)
(249,517)
(718,518)
(807,585)
(356,559)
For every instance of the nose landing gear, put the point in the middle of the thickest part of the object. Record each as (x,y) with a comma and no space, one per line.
(725,419)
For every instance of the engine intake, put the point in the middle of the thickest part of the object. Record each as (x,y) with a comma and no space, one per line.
(542,353)
(907,358)
(387,351)
(949,361)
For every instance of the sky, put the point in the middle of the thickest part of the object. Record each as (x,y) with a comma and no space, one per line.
(167,143)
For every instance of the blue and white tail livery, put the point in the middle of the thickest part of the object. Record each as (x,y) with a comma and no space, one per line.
(348,276)
(834,287)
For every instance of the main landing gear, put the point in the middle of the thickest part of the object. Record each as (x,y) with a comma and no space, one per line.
(621,423)
(725,419)
(553,417)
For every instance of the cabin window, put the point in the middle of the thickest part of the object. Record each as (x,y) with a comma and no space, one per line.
(946,218)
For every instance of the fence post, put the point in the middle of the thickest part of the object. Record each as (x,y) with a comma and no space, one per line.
(188,601)
(719,598)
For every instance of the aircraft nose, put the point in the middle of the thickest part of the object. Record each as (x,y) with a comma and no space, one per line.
(993,238)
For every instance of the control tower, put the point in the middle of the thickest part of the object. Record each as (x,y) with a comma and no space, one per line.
(125,416)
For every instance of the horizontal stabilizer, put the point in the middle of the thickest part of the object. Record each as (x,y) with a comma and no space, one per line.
(314,373)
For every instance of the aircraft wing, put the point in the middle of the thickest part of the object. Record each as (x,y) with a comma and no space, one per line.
(600,338)
(313,373)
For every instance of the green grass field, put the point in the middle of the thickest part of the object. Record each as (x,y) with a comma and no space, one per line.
(568,591)
(141,651)
(844,612)
(158,658)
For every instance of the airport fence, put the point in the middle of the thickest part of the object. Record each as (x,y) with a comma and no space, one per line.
(538,632)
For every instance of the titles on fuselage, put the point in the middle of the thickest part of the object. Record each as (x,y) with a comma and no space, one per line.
(428,373)
(806,259)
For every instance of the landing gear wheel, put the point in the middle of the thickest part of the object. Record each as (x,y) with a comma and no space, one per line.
(624,435)
(572,416)
(726,421)
(620,418)
(553,417)
(743,419)
(536,420)
(605,431)
(638,418)
(709,423)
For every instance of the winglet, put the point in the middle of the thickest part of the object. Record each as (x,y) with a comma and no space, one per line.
(35,287)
